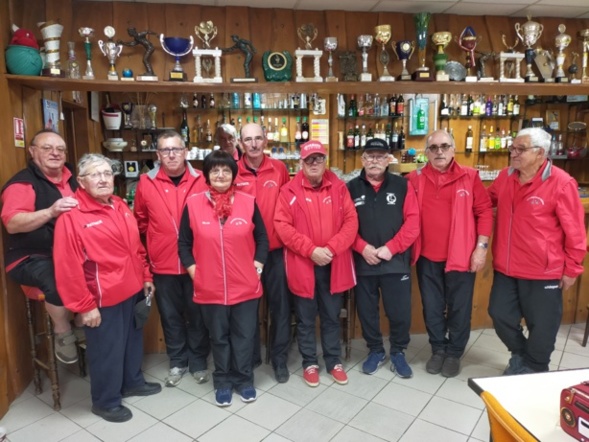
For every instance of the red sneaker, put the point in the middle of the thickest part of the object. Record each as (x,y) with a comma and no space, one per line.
(311,375)
(339,375)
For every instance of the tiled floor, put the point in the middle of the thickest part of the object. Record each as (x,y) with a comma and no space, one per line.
(369,408)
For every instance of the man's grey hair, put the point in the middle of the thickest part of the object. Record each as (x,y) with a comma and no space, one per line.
(169,133)
(89,160)
(448,136)
(539,138)
(228,129)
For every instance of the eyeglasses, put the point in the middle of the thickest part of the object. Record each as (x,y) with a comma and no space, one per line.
(49,148)
(314,160)
(250,140)
(219,172)
(436,147)
(96,176)
(375,158)
(519,150)
(166,151)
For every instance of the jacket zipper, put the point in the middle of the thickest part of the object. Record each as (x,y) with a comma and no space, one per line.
(509,240)
(223,261)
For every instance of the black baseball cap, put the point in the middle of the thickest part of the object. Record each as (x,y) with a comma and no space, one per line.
(376,144)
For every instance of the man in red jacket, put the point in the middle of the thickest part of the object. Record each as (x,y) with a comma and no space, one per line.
(538,250)
(456,222)
(262,177)
(316,220)
(159,200)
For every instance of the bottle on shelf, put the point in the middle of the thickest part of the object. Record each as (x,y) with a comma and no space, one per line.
(395,137)
(384,107)
(305,130)
(357,137)
(284,132)
(195,101)
(495,108)
(421,118)
(298,133)
(208,132)
(560,146)
(401,139)
(341,105)
(376,105)
(464,106)
(498,139)
(235,101)
(470,104)
(257,100)
(387,135)
(350,138)
(296,101)
(444,110)
(400,108)
(363,136)
(503,140)
(392,105)
(247,100)
(369,134)
(500,107)
(184,129)
(516,106)
(368,105)
(352,109)
(489,107)
(270,131)
(469,140)
(491,139)
(361,108)
(276,130)
(483,139)
(510,105)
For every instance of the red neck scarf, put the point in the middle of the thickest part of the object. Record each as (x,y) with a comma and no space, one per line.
(222,202)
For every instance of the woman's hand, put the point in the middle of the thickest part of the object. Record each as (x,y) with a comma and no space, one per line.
(260,266)
(91,318)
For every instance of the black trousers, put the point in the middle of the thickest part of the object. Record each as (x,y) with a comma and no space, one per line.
(186,337)
(115,353)
(329,307)
(279,304)
(447,305)
(38,271)
(539,302)
(232,329)
(396,298)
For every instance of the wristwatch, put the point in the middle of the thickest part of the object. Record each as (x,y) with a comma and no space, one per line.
(259,270)
(483,245)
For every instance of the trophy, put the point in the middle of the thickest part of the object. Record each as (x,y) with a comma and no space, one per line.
(152,111)
(546,64)
(510,62)
(365,43)
(330,45)
(73,69)
(86,33)
(383,35)
(127,108)
(468,41)
(440,41)
(574,68)
(561,42)
(206,31)
(404,50)
(584,34)
(307,33)
(248,50)
(529,33)
(177,47)
(111,51)
(421,24)
(51,32)
(348,63)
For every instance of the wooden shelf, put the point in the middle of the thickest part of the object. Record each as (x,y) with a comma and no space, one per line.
(398,87)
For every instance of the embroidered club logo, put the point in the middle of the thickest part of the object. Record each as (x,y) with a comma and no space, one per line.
(238,222)
(327,200)
(462,193)
(535,201)
(360,201)
(391,199)
(270,183)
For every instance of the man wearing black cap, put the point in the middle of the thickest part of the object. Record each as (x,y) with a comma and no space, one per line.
(388,217)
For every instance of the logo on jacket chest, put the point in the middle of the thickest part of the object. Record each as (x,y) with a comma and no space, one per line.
(535,200)
(238,222)
(360,201)
(391,199)
(270,183)
(93,224)
(462,193)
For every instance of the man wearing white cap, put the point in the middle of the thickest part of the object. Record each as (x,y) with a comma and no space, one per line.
(316,220)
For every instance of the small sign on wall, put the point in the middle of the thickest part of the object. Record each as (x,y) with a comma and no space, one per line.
(19,132)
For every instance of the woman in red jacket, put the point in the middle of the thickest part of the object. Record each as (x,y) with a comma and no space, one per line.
(223,245)
(102,275)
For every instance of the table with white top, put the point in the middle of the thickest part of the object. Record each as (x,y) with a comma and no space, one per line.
(533,399)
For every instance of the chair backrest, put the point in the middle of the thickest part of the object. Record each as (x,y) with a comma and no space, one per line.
(33,293)
(504,428)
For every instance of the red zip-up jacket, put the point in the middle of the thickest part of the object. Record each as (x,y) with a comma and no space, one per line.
(293,221)
(265,187)
(223,254)
(100,261)
(158,210)
(472,214)
(539,228)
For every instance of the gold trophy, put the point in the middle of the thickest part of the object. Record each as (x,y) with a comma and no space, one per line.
(510,62)
(562,41)
(468,41)
(308,33)
(440,41)
(584,34)
(382,37)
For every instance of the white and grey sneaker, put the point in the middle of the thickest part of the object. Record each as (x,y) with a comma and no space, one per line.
(175,376)
(201,376)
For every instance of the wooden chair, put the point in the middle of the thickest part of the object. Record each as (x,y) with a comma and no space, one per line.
(586,335)
(504,428)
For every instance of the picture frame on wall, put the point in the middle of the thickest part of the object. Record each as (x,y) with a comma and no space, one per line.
(50,115)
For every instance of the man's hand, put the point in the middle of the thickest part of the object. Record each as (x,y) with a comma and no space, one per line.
(91,318)
(321,256)
(370,255)
(384,253)
(566,282)
(477,259)
(62,205)
(148,288)
(259,265)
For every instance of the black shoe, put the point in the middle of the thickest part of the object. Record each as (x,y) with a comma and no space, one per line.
(281,373)
(434,365)
(451,367)
(146,389)
(115,414)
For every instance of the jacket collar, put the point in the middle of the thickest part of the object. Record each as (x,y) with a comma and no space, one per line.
(153,173)
(545,170)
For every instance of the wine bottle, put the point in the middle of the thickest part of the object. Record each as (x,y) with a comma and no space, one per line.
(184,129)
(284,132)
(469,140)
(305,130)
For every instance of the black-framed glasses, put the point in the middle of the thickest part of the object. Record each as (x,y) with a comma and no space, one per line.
(166,151)
(250,140)
(436,147)
(320,159)
(49,148)
(519,150)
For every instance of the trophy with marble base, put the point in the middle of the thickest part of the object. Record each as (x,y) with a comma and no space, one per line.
(561,41)
(86,33)
(307,33)
(365,43)
(403,51)
(111,51)
(330,45)
(51,32)
(206,32)
(382,37)
(421,24)
(440,41)
(248,50)
(584,34)
(529,33)
(177,47)
(546,64)
(468,41)
(510,63)
(142,39)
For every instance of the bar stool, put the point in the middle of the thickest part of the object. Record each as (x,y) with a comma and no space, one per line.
(586,335)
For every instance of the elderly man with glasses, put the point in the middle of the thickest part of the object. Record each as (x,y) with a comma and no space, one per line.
(538,250)
(388,216)
(317,223)
(159,201)
(456,222)
(32,200)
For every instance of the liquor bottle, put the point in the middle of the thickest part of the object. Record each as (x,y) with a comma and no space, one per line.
(500,107)
(247,100)
(387,135)
(284,131)
(73,68)
(352,110)
(503,140)
(489,107)
(363,136)
(497,139)
(195,101)
(203,101)
(368,105)
(305,130)
(360,106)
(212,101)
(239,125)
(495,106)
(376,105)
(464,106)
(509,140)
(298,133)
(384,107)
(491,139)
(483,139)
(395,138)
(296,101)
(235,101)
(276,130)
(341,105)
(257,101)
(470,105)
(270,131)
(350,138)
(401,139)
(560,146)
(476,107)
(444,110)
(420,118)
(370,134)
(452,108)
(357,137)
(392,105)
(400,106)
(510,105)
(184,129)
(209,133)
(469,140)
(516,106)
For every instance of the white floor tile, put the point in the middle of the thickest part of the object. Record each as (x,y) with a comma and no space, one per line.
(451,415)
(457,390)
(570,360)
(482,430)
(165,403)
(235,428)
(381,421)
(54,427)
(276,438)
(80,413)
(362,385)
(422,381)
(351,434)
(264,377)
(81,436)
(491,358)
(269,412)
(307,425)
(71,389)
(492,343)
(160,432)
(296,391)
(402,398)
(337,405)
(421,431)
(197,418)
(25,413)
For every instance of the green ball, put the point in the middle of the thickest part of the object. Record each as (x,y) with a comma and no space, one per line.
(23,60)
